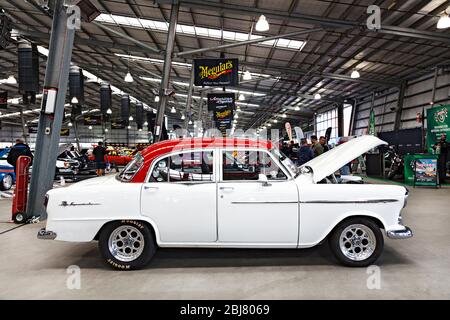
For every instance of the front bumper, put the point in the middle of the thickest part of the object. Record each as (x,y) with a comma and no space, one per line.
(46,235)
(400,234)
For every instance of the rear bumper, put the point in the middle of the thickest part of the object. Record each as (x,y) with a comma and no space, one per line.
(43,234)
(400,234)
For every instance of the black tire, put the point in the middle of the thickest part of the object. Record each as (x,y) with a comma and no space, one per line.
(391,175)
(3,184)
(334,242)
(20,218)
(147,251)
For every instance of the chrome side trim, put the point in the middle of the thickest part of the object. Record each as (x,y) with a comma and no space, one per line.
(400,234)
(350,201)
(262,202)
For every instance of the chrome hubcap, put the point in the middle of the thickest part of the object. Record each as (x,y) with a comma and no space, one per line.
(126,243)
(7,182)
(357,242)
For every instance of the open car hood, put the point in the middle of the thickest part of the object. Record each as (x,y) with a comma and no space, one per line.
(331,161)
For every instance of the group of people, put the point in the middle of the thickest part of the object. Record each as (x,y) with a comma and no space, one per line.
(306,152)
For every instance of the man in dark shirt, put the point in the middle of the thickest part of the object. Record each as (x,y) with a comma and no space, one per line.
(305,153)
(323,143)
(19,149)
(99,155)
(441,148)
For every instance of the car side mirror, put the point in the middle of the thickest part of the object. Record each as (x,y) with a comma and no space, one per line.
(263,179)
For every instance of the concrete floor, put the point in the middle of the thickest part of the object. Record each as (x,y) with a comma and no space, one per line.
(418,268)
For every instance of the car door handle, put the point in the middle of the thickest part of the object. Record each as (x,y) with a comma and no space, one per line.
(226,188)
(150,188)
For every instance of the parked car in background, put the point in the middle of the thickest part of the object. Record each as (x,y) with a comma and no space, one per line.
(117,156)
(228,193)
(7,175)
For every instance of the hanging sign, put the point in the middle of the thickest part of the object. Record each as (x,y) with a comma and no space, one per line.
(32,127)
(222,105)
(438,122)
(65,132)
(3,99)
(216,72)
(118,124)
(92,120)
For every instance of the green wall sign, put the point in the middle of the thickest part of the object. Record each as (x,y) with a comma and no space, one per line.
(438,122)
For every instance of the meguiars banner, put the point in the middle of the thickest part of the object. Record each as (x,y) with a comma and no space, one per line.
(222,105)
(216,72)
(438,122)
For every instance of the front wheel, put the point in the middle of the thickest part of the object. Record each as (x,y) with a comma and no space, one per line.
(127,244)
(357,242)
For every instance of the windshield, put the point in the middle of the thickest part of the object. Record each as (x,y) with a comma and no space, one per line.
(285,161)
(131,168)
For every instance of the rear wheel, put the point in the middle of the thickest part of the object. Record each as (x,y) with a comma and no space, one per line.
(357,242)
(6,183)
(127,244)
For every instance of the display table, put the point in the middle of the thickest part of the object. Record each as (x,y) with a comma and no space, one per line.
(425,174)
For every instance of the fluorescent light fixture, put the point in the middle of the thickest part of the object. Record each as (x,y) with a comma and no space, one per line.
(297,108)
(269,124)
(11,80)
(317,96)
(444,22)
(241,97)
(128,77)
(109,111)
(355,74)
(275,120)
(262,24)
(284,115)
(247,75)
(156,98)
(74,100)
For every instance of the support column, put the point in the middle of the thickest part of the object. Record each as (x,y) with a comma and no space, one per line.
(56,76)
(189,98)
(398,112)
(353,117)
(166,70)
(340,115)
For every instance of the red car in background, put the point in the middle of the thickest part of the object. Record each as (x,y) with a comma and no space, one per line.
(118,157)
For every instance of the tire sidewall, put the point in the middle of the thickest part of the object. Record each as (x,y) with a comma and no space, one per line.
(146,255)
(2,184)
(335,246)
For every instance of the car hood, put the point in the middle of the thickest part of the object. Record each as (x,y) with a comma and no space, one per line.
(97,181)
(331,161)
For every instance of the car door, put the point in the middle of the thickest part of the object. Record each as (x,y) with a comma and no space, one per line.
(251,211)
(180,197)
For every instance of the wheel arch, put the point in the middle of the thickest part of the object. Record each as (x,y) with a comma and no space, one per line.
(150,224)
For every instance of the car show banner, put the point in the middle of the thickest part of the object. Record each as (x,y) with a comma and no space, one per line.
(222,105)
(425,173)
(216,72)
(3,99)
(372,123)
(410,161)
(32,127)
(118,124)
(65,132)
(438,122)
(92,120)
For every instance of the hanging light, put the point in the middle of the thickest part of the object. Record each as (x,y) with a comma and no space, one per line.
(241,97)
(109,111)
(284,115)
(190,122)
(173,110)
(70,124)
(156,98)
(130,118)
(145,123)
(129,127)
(90,127)
(317,96)
(74,100)
(262,24)
(11,80)
(128,77)
(297,108)
(444,22)
(355,74)
(140,129)
(183,117)
(236,116)
(106,129)
(275,120)
(247,75)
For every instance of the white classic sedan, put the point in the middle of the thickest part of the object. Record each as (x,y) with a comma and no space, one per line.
(228,193)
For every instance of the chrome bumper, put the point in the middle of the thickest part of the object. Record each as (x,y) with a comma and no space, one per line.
(400,234)
(46,235)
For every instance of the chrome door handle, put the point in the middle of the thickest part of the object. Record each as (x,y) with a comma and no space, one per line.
(226,188)
(150,188)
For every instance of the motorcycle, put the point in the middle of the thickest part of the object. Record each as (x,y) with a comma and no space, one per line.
(396,166)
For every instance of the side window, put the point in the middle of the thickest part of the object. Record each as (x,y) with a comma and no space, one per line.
(248,165)
(187,166)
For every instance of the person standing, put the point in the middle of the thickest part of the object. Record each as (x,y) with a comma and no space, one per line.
(441,148)
(323,143)
(305,153)
(316,146)
(99,153)
(19,149)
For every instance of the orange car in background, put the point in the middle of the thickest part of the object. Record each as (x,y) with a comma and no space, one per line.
(116,156)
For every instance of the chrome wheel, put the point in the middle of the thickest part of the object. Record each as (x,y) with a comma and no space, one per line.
(126,243)
(7,182)
(357,242)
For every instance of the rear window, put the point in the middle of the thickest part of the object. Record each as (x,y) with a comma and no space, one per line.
(131,168)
